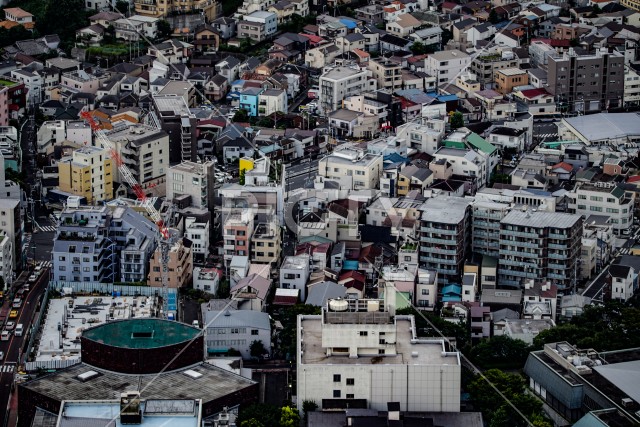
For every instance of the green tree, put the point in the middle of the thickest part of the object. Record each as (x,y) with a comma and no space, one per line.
(241,116)
(289,320)
(164,29)
(424,320)
(251,422)
(418,48)
(493,16)
(242,176)
(289,417)
(500,351)
(308,406)
(122,7)
(63,17)
(457,120)
(495,406)
(256,348)
(267,415)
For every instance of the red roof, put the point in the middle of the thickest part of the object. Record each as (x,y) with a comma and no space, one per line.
(560,43)
(563,165)
(534,93)
(634,178)
(449,5)
(312,38)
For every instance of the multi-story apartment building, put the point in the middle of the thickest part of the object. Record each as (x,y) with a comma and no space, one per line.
(199,232)
(587,83)
(80,81)
(266,243)
(465,162)
(179,267)
(145,150)
(484,67)
(604,198)
(387,73)
(236,329)
(446,65)
(271,101)
(87,173)
(338,83)
(540,246)
(269,20)
(359,352)
(631,85)
(485,232)
(97,244)
(425,137)
(507,79)
(32,82)
(191,184)
(11,225)
(353,168)
(6,261)
(162,8)
(445,236)
(13,98)
(294,273)
(236,232)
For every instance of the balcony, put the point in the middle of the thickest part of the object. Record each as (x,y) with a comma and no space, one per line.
(522,234)
(439,260)
(437,241)
(556,246)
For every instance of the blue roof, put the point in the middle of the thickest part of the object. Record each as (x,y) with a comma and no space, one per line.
(238,82)
(395,158)
(348,23)
(443,98)
(452,289)
(416,95)
(350,265)
(270,148)
(451,298)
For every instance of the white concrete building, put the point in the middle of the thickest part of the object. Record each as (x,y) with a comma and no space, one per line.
(357,349)
(425,137)
(294,274)
(631,86)
(11,225)
(32,82)
(604,199)
(206,279)
(268,19)
(271,101)
(6,261)
(55,131)
(236,329)
(446,65)
(192,180)
(338,83)
(136,27)
(198,232)
(353,168)
(465,162)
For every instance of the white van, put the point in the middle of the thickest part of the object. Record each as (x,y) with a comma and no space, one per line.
(5,336)
(19,329)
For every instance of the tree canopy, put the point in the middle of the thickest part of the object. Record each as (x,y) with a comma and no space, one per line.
(495,407)
(500,352)
(457,120)
(63,17)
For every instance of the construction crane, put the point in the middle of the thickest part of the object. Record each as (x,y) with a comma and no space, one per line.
(163,235)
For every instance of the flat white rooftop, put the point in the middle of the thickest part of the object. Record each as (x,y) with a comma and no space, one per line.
(426,351)
(92,413)
(86,312)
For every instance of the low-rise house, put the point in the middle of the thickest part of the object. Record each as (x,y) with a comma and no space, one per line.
(294,274)
(236,330)
(251,292)
(135,27)
(206,279)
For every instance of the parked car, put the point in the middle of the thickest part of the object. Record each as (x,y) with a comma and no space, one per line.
(10,326)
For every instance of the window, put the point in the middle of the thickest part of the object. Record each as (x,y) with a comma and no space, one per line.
(351,381)
(336,378)
(364,333)
(254,332)
(425,292)
(336,394)
(350,396)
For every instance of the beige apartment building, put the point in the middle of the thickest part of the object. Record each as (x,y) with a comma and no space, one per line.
(353,168)
(266,243)
(180,267)
(237,231)
(388,73)
(87,173)
(509,78)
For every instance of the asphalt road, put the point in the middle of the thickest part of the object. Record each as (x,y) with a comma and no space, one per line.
(301,175)
(15,346)
(545,131)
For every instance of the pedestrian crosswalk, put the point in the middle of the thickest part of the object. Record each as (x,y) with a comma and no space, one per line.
(45,264)
(7,368)
(47,228)
(547,135)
